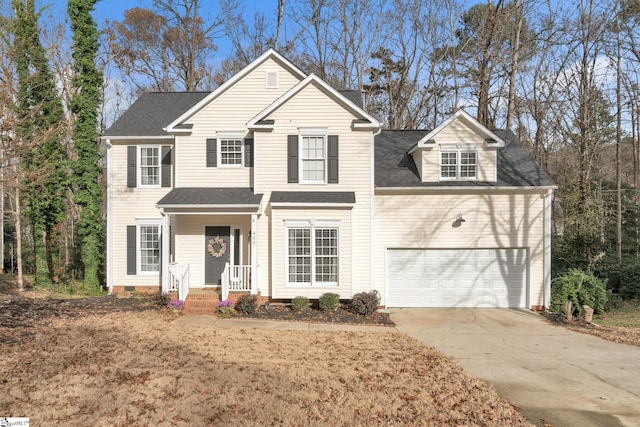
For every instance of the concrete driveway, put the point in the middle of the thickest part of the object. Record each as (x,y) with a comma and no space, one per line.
(548,372)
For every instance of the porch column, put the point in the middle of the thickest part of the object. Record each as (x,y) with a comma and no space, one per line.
(254,255)
(166,240)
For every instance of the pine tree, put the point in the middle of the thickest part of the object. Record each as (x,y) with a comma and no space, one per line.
(84,105)
(40,114)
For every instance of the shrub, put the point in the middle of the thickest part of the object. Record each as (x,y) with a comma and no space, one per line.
(329,301)
(225,307)
(580,288)
(365,302)
(247,304)
(299,303)
(160,299)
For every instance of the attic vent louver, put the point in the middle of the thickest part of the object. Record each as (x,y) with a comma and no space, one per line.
(491,141)
(272,79)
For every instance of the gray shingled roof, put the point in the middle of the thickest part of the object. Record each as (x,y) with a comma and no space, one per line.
(395,168)
(210,196)
(354,96)
(152,112)
(313,197)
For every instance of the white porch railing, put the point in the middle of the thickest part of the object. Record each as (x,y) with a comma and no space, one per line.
(179,279)
(236,278)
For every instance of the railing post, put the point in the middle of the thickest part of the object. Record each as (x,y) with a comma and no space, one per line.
(225,282)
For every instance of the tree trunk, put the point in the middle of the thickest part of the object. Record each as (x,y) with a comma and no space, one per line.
(19,241)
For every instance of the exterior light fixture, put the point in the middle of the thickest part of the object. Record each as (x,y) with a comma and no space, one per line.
(459,220)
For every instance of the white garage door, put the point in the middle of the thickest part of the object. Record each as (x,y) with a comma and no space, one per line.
(457,278)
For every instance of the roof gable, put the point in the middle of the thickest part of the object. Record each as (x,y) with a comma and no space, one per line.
(365,120)
(395,168)
(461,116)
(270,54)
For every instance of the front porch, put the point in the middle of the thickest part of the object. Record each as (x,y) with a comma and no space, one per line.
(235,279)
(211,244)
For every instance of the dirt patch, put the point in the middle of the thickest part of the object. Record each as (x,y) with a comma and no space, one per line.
(619,335)
(341,315)
(90,363)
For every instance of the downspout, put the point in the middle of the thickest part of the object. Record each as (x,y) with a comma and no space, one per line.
(548,203)
(372,249)
(109,216)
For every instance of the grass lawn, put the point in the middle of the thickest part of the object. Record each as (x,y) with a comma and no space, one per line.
(625,316)
(123,368)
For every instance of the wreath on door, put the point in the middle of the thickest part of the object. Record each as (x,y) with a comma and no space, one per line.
(216,247)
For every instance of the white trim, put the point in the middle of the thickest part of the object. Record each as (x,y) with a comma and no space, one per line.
(165,241)
(458,152)
(110,234)
(548,212)
(270,54)
(312,226)
(469,121)
(325,140)
(139,166)
(311,205)
(326,88)
(153,223)
(219,151)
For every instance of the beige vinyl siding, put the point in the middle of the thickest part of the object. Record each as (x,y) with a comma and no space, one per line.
(458,133)
(311,108)
(229,112)
(492,220)
(279,246)
(190,244)
(129,205)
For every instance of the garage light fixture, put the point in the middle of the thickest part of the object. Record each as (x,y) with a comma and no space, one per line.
(459,220)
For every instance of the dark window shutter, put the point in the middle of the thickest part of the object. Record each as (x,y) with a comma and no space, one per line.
(292,158)
(212,156)
(332,159)
(166,166)
(248,152)
(132,155)
(131,249)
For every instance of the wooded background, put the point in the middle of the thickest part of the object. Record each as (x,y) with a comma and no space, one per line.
(564,76)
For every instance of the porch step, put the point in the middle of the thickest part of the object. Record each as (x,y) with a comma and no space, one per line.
(201,302)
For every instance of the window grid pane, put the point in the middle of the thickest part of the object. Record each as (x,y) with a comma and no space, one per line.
(448,163)
(326,252)
(231,151)
(313,158)
(149,248)
(318,254)
(299,255)
(468,163)
(149,166)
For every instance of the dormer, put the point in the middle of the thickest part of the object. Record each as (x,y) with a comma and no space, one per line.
(459,150)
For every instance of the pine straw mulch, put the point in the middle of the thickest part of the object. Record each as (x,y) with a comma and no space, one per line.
(619,335)
(342,315)
(118,362)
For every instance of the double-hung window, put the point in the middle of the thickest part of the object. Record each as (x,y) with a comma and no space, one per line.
(148,248)
(149,161)
(456,164)
(231,151)
(312,255)
(313,158)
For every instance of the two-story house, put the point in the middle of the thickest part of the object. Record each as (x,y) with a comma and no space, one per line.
(278,184)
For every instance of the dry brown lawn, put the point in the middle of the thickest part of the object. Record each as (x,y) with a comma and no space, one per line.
(124,368)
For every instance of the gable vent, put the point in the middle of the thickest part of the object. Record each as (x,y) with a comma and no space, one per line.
(272,79)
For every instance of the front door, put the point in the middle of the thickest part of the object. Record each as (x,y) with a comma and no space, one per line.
(217,248)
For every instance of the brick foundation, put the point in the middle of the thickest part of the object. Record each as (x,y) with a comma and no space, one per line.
(537,308)
(205,301)
(140,289)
